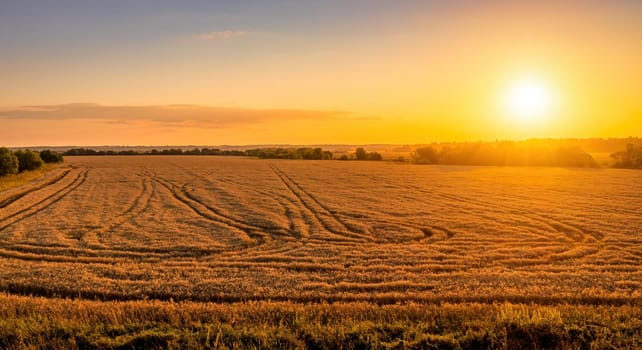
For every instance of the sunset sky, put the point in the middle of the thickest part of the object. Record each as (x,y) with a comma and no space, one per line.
(161,72)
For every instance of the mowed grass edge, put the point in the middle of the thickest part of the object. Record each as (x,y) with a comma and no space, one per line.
(36,322)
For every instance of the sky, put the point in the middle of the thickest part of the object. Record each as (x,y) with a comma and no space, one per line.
(196,72)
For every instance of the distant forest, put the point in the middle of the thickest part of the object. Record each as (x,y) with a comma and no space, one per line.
(308,153)
(623,153)
(620,152)
(501,154)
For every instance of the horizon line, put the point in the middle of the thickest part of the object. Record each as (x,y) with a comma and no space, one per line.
(336,144)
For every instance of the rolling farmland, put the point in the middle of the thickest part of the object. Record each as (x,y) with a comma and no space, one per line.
(227,229)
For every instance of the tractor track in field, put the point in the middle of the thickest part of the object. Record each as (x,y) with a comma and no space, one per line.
(296,221)
(323,216)
(7,201)
(206,212)
(44,203)
(140,203)
(546,224)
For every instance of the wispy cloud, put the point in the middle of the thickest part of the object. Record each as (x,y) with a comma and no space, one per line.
(175,115)
(222,35)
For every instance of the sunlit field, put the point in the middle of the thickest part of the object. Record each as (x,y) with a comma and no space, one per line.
(229,229)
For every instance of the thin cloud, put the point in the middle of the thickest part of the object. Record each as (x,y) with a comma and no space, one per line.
(222,35)
(175,115)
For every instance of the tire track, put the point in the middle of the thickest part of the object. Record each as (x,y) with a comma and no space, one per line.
(296,223)
(217,212)
(270,229)
(17,196)
(431,233)
(546,223)
(323,215)
(37,207)
(140,203)
(536,223)
(573,232)
(345,225)
(297,230)
(204,211)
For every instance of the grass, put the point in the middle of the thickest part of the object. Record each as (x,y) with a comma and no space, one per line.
(36,323)
(16,180)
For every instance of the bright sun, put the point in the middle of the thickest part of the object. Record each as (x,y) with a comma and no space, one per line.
(528,101)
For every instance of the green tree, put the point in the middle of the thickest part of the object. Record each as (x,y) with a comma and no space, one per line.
(49,156)
(360,154)
(8,162)
(28,160)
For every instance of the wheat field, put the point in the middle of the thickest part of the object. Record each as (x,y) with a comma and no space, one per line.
(227,237)
(234,229)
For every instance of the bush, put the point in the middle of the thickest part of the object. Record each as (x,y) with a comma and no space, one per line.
(425,155)
(8,162)
(49,156)
(361,154)
(373,156)
(28,160)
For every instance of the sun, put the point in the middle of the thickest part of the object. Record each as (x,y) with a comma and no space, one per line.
(529,101)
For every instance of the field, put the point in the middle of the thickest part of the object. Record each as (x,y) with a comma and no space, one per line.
(315,235)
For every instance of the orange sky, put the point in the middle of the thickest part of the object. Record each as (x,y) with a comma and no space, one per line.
(303,72)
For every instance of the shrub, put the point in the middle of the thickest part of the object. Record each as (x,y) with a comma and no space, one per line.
(373,156)
(28,160)
(8,162)
(361,154)
(49,156)
(425,155)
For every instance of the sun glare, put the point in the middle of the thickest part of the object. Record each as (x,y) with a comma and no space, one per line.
(528,101)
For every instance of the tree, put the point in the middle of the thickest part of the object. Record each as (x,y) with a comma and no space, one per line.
(49,156)
(629,158)
(425,155)
(374,156)
(360,153)
(8,162)
(28,160)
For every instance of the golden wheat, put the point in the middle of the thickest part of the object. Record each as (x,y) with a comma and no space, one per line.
(234,229)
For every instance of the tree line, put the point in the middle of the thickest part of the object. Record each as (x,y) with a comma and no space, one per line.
(24,160)
(155,152)
(290,153)
(308,153)
(503,153)
(477,153)
(361,154)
